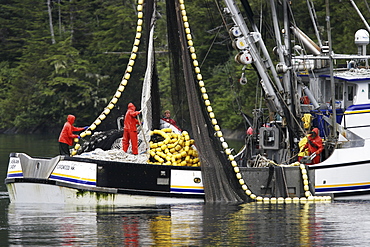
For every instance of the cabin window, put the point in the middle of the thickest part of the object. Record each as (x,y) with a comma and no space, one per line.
(368,91)
(350,93)
(338,91)
(268,138)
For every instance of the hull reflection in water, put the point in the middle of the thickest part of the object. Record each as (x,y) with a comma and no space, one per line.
(190,225)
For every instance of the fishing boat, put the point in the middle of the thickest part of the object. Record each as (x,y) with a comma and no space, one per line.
(174,168)
(306,91)
(343,172)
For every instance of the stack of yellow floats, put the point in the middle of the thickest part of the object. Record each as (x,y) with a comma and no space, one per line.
(174,149)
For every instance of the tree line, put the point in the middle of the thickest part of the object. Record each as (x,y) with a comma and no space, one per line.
(68,57)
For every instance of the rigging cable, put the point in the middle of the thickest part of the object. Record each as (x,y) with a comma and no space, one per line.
(367,5)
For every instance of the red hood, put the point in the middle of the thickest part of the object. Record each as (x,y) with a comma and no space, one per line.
(71,119)
(316,130)
(131,106)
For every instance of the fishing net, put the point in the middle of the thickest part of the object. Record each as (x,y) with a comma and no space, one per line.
(220,183)
(219,180)
(150,100)
(178,90)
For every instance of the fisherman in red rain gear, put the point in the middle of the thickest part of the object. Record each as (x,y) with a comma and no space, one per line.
(168,119)
(66,135)
(130,130)
(314,145)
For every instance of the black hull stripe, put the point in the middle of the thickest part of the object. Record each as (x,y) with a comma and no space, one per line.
(357,193)
(159,194)
(317,167)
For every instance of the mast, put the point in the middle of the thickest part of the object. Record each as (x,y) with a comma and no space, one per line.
(284,53)
(262,46)
(312,12)
(282,94)
(290,79)
(332,84)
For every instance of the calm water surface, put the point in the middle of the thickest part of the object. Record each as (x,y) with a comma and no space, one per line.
(322,224)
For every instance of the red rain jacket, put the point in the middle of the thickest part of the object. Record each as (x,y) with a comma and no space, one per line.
(314,145)
(130,121)
(67,136)
(171,121)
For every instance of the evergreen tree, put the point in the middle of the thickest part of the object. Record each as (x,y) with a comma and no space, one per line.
(60,57)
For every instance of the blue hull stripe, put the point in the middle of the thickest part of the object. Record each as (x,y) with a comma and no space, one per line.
(187,190)
(72,180)
(15,175)
(361,107)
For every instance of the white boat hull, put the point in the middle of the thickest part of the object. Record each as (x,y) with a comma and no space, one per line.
(81,181)
(345,174)
(52,194)
(92,182)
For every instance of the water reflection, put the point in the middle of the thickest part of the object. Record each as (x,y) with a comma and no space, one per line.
(254,224)
(51,225)
(185,225)
(257,224)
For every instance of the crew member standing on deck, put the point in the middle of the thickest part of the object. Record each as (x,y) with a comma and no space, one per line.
(130,129)
(314,145)
(66,135)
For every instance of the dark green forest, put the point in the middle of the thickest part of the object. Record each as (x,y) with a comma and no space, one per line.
(68,57)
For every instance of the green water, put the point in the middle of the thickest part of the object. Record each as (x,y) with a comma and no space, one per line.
(33,145)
